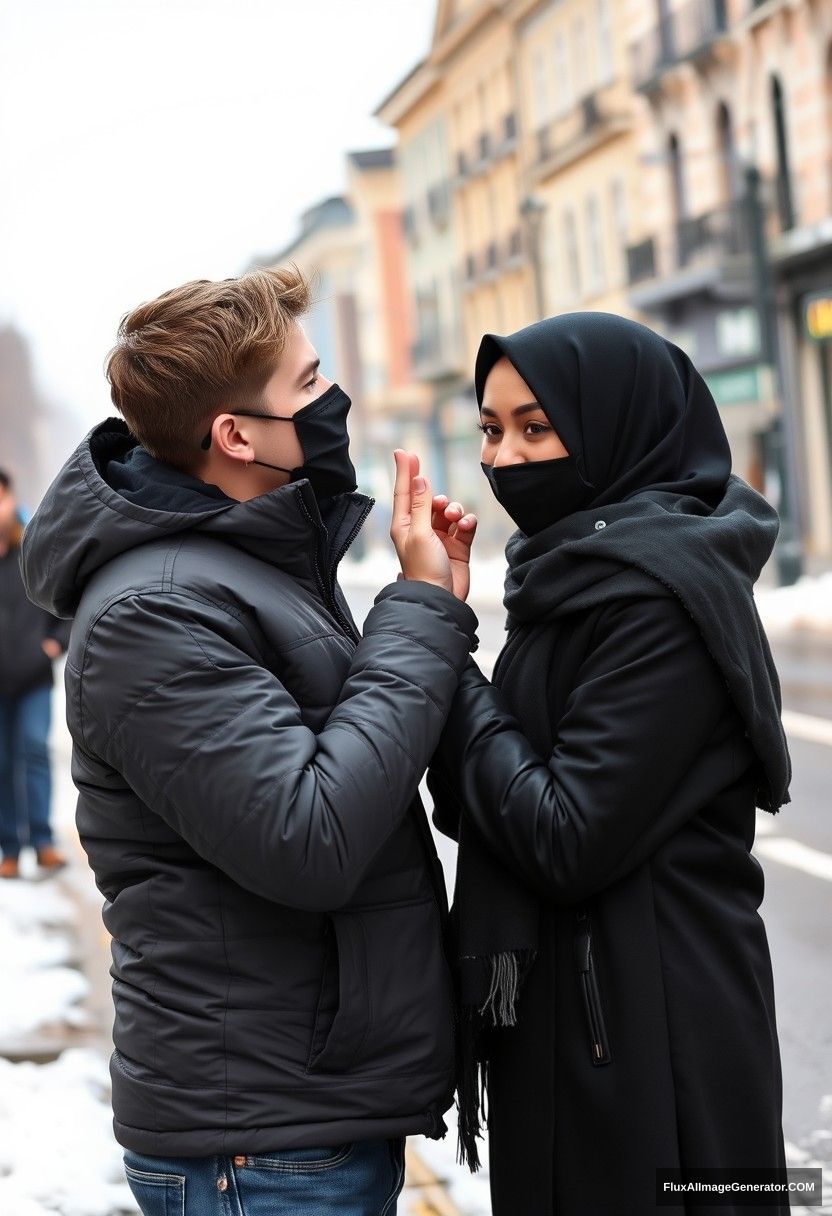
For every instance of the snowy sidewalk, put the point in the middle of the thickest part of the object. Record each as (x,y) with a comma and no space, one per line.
(57,1151)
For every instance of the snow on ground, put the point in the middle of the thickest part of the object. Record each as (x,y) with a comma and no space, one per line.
(806,605)
(39,989)
(57,1151)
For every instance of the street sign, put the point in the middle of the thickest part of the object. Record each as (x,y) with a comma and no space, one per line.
(817,315)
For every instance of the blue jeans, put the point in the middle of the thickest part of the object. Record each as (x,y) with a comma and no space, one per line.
(359,1179)
(25,775)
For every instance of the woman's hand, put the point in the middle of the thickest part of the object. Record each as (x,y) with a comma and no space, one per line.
(456,530)
(52,647)
(432,536)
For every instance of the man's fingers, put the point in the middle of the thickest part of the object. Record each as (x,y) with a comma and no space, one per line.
(421,500)
(401,490)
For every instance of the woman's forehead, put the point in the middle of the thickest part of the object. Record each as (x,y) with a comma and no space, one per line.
(504,381)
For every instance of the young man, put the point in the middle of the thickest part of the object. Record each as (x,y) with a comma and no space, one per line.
(247,763)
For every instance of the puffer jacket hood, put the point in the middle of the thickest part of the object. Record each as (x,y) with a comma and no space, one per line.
(94,511)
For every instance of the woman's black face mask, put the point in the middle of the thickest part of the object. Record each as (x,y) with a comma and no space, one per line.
(537,493)
(321,428)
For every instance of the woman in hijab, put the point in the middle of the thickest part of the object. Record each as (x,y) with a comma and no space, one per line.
(615,979)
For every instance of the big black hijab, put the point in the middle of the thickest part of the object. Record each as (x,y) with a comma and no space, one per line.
(662,515)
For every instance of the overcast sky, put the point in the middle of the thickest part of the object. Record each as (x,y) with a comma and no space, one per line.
(147,142)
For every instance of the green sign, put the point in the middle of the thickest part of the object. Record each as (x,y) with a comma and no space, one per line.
(737,387)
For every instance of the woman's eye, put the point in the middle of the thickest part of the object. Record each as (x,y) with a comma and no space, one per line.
(486,430)
(312,382)
(541,428)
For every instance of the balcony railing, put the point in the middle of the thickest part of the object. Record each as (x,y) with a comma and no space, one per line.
(409,224)
(709,239)
(439,205)
(722,233)
(515,249)
(680,35)
(641,261)
(594,116)
(434,354)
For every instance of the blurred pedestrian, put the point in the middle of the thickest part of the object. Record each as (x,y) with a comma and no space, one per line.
(30,642)
(616,984)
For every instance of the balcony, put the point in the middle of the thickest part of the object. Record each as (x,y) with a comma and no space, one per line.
(593,120)
(723,234)
(439,205)
(710,252)
(491,261)
(641,261)
(434,357)
(686,35)
(409,225)
(484,148)
(515,249)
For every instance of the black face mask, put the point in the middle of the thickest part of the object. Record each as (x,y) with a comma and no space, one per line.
(537,493)
(321,428)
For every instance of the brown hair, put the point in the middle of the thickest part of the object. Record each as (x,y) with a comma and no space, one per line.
(180,358)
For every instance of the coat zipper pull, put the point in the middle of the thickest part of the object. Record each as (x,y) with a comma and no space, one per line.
(599,1047)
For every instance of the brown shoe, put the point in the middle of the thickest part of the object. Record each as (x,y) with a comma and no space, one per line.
(9,868)
(50,859)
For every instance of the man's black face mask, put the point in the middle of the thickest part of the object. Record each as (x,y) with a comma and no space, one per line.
(321,428)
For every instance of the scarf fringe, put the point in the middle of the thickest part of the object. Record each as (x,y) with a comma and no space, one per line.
(500,1008)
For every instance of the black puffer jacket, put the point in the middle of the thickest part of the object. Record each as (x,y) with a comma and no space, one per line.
(247,768)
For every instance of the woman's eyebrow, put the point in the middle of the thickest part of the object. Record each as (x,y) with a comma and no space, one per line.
(518,409)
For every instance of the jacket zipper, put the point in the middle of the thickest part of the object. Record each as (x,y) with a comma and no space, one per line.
(327,585)
(596,1025)
(335,559)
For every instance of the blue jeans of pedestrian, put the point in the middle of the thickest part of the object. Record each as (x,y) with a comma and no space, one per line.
(25,775)
(363,1178)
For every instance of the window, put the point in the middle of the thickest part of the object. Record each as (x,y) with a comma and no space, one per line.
(572,257)
(595,238)
(562,75)
(540,88)
(580,56)
(605,44)
(618,207)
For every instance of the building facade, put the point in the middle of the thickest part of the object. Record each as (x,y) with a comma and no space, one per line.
(351,247)
(733,233)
